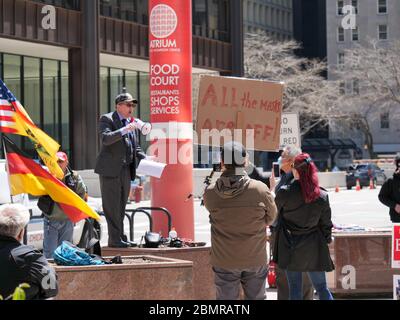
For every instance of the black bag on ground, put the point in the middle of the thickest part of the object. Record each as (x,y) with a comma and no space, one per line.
(46,204)
(152,239)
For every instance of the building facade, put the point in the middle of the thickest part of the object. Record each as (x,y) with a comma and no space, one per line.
(68,75)
(309,27)
(275,17)
(375,19)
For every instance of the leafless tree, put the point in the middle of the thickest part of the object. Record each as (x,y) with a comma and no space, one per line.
(358,91)
(306,90)
(371,75)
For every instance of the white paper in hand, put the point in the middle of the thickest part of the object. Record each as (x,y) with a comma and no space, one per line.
(151,168)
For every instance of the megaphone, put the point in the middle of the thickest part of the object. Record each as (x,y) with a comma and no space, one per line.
(144,127)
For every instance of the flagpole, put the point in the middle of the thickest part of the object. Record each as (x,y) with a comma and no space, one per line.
(7,169)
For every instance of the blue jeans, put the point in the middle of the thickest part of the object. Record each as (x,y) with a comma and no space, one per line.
(318,280)
(54,233)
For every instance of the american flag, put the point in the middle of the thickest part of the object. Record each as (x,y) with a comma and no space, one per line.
(14,119)
(7,111)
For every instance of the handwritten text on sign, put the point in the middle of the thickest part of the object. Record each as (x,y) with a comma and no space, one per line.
(235,103)
(396,246)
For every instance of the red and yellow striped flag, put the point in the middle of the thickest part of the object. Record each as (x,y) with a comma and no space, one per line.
(14,119)
(27,176)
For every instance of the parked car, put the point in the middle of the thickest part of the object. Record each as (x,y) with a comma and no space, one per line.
(364,172)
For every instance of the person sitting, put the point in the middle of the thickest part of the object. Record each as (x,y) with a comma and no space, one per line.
(21,263)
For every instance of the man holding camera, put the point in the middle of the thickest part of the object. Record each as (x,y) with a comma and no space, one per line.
(240,210)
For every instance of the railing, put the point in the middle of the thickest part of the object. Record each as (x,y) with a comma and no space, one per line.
(146,210)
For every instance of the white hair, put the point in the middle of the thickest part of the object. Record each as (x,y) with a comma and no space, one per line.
(291,151)
(13,218)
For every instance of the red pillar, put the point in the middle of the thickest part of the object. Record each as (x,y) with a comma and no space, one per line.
(170,36)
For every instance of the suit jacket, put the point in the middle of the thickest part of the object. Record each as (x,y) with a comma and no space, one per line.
(114,151)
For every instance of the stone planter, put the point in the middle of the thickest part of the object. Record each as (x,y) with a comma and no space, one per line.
(203,276)
(142,278)
(369,253)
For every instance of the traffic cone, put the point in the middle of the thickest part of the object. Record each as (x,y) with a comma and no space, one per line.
(358,187)
(371,184)
(337,188)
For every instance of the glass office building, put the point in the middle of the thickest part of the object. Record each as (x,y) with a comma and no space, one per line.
(67,77)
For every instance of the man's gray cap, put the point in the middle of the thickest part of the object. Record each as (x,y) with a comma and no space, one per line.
(124,97)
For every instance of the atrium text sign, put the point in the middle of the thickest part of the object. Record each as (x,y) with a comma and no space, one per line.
(243,109)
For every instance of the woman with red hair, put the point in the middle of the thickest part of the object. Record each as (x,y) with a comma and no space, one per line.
(304,230)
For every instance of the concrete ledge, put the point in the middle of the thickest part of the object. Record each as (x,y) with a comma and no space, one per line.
(203,276)
(161,279)
(366,257)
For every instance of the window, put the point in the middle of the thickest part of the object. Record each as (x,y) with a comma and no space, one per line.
(356,86)
(117,82)
(340,34)
(32,88)
(385,120)
(341,59)
(342,88)
(354,3)
(382,6)
(51,97)
(212,18)
(340,5)
(382,32)
(354,34)
(42,87)
(68,4)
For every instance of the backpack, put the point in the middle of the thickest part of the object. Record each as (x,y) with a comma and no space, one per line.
(68,254)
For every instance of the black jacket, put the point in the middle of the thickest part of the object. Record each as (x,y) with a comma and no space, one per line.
(390,196)
(253,173)
(115,151)
(304,231)
(24,264)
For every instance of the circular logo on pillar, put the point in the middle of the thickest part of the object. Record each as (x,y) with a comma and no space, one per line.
(163,21)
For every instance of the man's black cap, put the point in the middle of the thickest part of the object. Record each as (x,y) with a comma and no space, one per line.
(125,97)
(234,153)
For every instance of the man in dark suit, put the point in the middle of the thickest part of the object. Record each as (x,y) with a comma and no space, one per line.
(116,164)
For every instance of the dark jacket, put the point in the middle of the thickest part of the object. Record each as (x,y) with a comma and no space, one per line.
(253,173)
(390,196)
(115,150)
(240,210)
(24,264)
(303,232)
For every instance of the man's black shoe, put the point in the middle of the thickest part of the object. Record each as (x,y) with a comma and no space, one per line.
(121,244)
(131,243)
